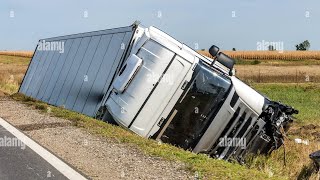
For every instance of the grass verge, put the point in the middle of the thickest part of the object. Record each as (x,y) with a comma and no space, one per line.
(205,167)
(296,165)
(304,97)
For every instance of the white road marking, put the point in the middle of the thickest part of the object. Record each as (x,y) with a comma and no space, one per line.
(62,167)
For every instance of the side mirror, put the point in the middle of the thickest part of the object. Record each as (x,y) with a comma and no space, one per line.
(214,50)
(226,61)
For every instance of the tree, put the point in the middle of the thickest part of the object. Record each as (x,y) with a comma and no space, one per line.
(233,49)
(304,46)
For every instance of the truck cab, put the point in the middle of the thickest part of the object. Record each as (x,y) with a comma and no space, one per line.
(169,92)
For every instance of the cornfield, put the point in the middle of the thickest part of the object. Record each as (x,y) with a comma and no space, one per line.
(270,55)
(17,53)
(251,55)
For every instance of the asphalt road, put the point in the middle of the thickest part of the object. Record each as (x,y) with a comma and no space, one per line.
(29,160)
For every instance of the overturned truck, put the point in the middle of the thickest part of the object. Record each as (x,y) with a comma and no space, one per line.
(148,82)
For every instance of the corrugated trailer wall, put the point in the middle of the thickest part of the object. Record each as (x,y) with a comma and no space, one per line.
(79,77)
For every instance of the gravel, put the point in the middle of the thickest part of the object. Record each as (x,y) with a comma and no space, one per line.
(94,156)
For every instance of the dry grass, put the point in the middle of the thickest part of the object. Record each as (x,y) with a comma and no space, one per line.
(270,55)
(291,160)
(260,55)
(305,98)
(12,70)
(280,74)
(17,53)
(275,67)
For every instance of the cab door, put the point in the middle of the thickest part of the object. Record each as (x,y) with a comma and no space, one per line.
(150,113)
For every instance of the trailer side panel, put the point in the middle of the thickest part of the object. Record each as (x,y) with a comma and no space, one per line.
(78,77)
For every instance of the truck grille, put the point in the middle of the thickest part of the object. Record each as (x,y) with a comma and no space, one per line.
(235,133)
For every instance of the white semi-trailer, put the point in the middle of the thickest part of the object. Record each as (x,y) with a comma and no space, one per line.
(160,88)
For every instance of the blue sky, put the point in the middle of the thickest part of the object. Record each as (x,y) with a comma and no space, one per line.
(201,22)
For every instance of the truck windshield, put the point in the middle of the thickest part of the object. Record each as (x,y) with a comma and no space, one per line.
(197,107)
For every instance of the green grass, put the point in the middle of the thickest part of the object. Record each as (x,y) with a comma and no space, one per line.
(204,166)
(8,88)
(303,97)
(306,99)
